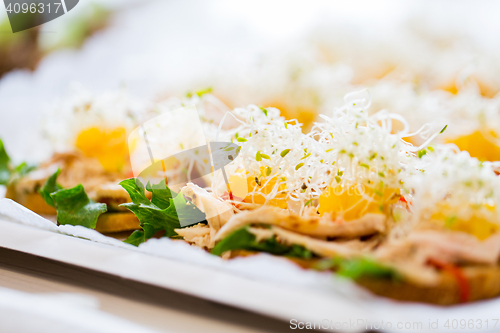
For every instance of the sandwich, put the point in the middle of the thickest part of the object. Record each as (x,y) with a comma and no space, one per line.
(89,134)
(352,197)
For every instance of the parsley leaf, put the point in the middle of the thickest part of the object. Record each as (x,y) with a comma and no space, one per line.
(9,174)
(136,238)
(73,205)
(22,170)
(164,212)
(243,239)
(49,187)
(161,194)
(4,165)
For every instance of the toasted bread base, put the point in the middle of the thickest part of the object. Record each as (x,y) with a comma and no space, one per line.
(32,201)
(483,283)
(109,222)
(117,222)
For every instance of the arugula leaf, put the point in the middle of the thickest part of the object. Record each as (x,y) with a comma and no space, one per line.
(162,213)
(136,238)
(74,207)
(4,165)
(356,268)
(243,239)
(49,187)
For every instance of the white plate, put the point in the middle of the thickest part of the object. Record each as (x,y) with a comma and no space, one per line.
(263,284)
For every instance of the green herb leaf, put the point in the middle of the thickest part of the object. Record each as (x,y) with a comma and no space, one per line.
(74,207)
(298,251)
(356,268)
(50,187)
(163,212)
(135,190)
(136,238)
(161,194)
(4,165)
(242,239)
(22,170)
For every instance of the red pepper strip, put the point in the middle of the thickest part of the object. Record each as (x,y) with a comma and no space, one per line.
(458,274)
(164,171)
(405,202)
(230,196)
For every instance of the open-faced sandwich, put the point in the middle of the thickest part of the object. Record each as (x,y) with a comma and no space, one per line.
(90,135)
(351,196)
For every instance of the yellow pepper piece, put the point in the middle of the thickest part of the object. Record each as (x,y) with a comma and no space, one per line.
(476,225)
(478,145)
(241,185)
(351,204)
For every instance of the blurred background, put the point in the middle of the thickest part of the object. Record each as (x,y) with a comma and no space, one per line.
(434,62)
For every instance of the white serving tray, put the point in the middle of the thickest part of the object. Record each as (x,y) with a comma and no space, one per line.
(335,304)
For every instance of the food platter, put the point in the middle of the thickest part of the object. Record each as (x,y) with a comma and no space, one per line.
(330,178)
(332,303)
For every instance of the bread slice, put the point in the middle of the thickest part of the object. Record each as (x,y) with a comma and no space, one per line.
(483,283)
(33,201)
(113,222)
(110,222)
